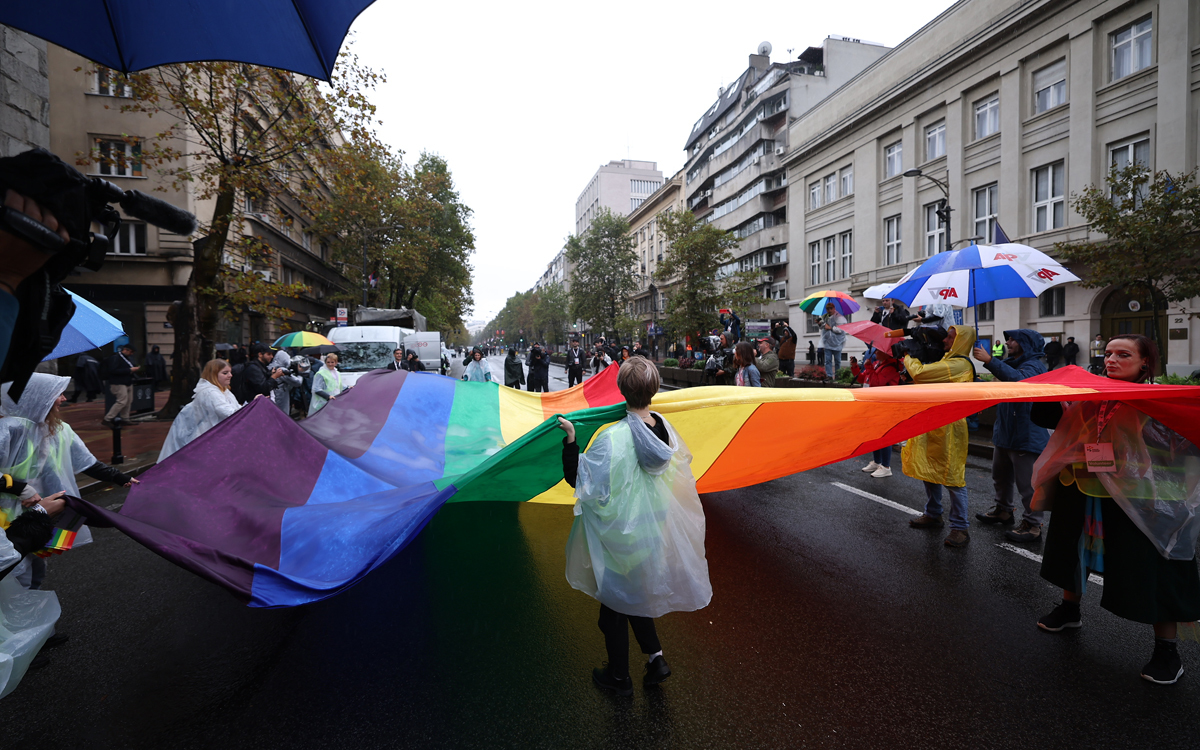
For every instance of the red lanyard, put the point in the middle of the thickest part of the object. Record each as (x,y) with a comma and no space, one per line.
(1104,414)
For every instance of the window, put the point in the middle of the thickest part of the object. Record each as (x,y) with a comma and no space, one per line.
(813,324)
(1048,204)
(814,196)
(847,175)
(130,239)
(1053,302)
(893,160)
(847,241)
(935,233)
(986,310)
(635,202)
(1132,153)
(830,259)
(1050,86)
(935,141)
(1131,48)
(814,263)
(830,188)
(779,290)
(119,158)
(111,83)
(987,208)
(891,240)
(306,240)
(987,117)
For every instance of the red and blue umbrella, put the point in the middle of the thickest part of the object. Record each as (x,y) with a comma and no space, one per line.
(980,273)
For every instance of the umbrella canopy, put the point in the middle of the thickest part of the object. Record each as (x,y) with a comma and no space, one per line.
(815,303)
(223,347)
(879,291)
(88,328)
(981,273)
(872,333)
(132,35)
(300,338)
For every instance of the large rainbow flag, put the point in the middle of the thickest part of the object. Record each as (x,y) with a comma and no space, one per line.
(283,513)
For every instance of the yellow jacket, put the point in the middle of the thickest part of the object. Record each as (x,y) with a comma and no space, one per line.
(940,456)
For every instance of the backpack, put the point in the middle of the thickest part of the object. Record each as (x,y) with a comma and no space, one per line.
(238,383)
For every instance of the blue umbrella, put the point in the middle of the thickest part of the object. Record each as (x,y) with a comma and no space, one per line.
(88,328)
(303,36)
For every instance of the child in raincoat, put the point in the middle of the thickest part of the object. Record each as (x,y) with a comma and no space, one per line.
(637,542)
(939,457)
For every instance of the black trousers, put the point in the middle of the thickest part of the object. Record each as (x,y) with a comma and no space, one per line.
(616,638)
(574,375)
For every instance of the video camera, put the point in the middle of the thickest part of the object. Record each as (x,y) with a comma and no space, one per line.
(77,201)
(924,344)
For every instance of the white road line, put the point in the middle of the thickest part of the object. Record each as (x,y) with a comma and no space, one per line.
(877,498)
(1092,577)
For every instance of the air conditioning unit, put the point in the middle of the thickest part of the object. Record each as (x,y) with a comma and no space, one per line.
(245,268)
(706,194)
(768,278)
(266,275)
(755,160)
(779,150)
(711,157)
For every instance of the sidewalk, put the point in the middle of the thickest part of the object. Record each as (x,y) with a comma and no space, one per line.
(140,442)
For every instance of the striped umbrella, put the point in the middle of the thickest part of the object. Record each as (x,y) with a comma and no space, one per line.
(815,303)
(300,339)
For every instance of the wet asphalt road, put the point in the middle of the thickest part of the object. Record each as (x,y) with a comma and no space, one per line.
(833,624)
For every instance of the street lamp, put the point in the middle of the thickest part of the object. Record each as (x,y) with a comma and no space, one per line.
(366,233)
(943,209)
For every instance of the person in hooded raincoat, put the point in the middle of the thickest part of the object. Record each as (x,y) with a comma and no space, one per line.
(514,372)
(1016,439)
(327,384)
(212,402)
(477,369)
(1124,490)
(156,367)
(288,382)
(637,542)
(939,457)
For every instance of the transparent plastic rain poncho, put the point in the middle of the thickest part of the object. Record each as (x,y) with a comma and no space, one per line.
(478,372)
(637,543)
(208,407)
(282,395)
(1157,481)
(326,380)
(27,619)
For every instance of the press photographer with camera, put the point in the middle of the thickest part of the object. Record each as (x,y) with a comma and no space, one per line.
(538,363)
(939,457)
(719,366)
(892,314)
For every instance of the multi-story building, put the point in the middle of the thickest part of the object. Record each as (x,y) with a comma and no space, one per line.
(25,111)
(619,186)
(555,273)
(735,176)
(649,301)
(148,268)
(1015,106)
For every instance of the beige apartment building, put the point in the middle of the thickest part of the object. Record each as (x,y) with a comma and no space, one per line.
(735,175)
(1015,107)
(148,268)
(649,301)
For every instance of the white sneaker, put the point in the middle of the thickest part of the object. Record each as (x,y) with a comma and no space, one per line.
(882,471)
(870,467)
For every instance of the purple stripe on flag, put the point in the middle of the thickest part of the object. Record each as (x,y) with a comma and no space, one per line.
(353,421)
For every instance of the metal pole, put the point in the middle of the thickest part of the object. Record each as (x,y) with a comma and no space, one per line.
(364,272)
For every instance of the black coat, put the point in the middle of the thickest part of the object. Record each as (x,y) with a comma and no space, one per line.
(116,370)
(514,373)
(257,379)
(576,357)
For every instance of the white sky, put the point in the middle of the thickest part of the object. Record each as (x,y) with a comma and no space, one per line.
(526,100)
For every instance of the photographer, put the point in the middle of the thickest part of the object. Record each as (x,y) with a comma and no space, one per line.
(939,457)
(538,375)
(601,357)
(289,379)
(892,315)
(258,379)
(833,339)
(787,340)
(412,362)
(720,363)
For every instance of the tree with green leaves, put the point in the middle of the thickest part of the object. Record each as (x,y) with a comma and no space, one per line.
(603,281)
(1151,228)
(692,267)
(551,313)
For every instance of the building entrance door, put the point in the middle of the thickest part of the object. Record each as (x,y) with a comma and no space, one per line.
(1128,310)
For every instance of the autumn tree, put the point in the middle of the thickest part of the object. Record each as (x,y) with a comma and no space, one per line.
(552,312)
(245,130)
(693,269)
(1151,227)
(603,281)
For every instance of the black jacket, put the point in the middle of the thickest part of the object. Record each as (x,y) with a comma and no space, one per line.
(257,379)
(514,373)
(394,365)
(576,357)
(117,370)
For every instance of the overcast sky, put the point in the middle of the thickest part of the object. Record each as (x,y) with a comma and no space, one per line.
(526,100)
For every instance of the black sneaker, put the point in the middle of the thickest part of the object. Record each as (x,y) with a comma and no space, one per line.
(656,671)
(996,515)
(1065,615)
(56,640)
(1164,667)
(620,686)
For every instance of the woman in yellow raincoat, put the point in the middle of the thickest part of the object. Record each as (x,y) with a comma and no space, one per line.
(939,457)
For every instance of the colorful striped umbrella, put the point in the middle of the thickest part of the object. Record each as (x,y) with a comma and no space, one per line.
(300,339)
(815,303)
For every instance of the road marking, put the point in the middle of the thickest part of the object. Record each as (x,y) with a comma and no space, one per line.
(115,506)
(1092,577)
(877,498)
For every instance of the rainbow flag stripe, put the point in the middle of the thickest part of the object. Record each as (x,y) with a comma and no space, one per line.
(283,513)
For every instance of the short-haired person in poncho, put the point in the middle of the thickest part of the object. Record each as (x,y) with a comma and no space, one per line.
(637,543)
(1124,489)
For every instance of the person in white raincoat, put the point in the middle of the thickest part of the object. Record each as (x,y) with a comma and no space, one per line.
(282,395)
(477,369)
(327,384)
(212,401)
(637,542)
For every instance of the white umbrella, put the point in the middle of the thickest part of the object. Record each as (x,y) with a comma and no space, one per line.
(879,291)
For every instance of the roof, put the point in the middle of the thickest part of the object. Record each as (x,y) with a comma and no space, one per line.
(719,107)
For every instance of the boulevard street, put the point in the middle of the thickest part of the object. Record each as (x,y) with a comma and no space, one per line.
(832,624)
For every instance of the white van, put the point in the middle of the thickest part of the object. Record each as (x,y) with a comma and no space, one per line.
(366,348)
(428,346)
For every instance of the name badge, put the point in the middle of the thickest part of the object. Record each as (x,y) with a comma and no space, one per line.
(1100,458)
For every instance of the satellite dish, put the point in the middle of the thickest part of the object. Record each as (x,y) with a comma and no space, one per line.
(764,49)
(720,91)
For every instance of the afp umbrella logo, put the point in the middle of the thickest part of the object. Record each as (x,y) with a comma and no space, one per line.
(1006,256)
(1043,274)
(946,292)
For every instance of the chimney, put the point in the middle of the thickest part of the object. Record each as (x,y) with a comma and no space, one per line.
(760,62)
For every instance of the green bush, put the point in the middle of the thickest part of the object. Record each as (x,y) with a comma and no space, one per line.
(670,362)
(1179,380)
(986,377)
(845,376)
